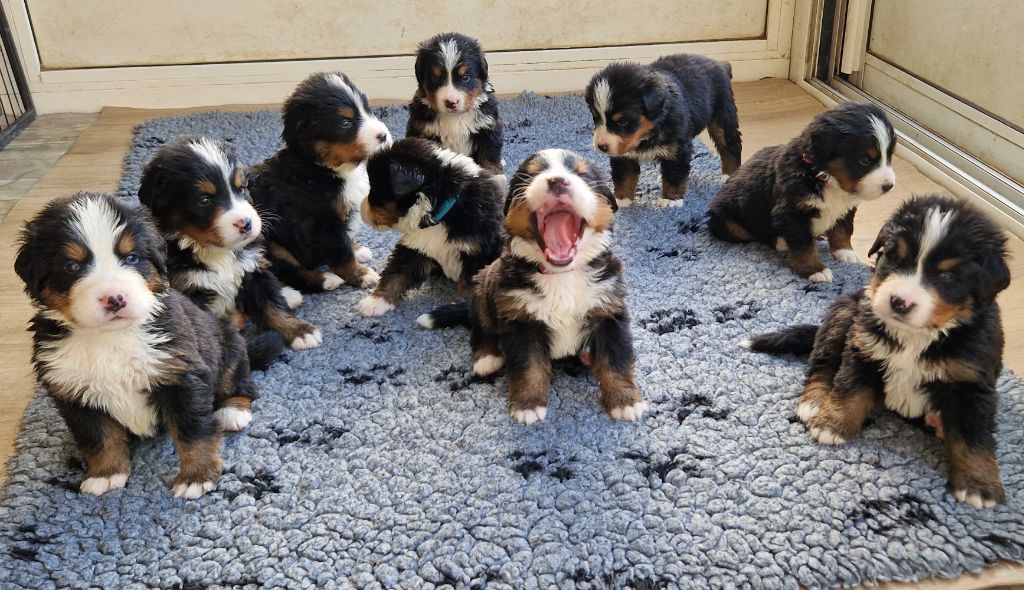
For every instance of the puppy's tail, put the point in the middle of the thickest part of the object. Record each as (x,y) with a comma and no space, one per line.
(798,340)
(264,348)
(446,316)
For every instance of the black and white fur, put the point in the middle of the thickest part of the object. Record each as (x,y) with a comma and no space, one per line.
(121,353)
(786,196)
(195,188)
(542,301)
(454,103)
(312,188)
(448,210)
(924,340)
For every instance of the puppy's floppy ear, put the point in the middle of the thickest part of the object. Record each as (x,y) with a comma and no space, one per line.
(29,273)
(153,244)
(483,67)
(655,96)
(153,181)
(880,240)
(824,138)
(421,66)
(405,181)
(994,276)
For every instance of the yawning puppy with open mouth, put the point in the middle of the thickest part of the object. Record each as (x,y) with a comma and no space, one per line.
(557,291)
(446,206)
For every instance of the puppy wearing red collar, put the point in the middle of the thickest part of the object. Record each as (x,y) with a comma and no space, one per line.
(788,195)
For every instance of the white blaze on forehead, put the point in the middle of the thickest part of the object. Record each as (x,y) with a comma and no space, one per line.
(883,137)
(602,99)
(936,224)
(98,226)
(209,151)
(450,55)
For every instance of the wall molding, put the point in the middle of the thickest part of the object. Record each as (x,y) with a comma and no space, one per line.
(383,78)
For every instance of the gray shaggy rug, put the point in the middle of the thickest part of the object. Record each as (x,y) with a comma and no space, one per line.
(378,461)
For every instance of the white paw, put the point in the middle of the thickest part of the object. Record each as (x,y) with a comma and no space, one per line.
(623,203)
(662,203)
(370,279)
(98,486)
(372,306)
(781,245)
(972,498)
(191,491)
(363,254)
(232,419)
(292,297)
(629,413)
(806,410)
(845,255)
(824,276)
(426,321)
(307,341)
(826,436)
(747,343)
(331,281)
(530,416)
(488,364)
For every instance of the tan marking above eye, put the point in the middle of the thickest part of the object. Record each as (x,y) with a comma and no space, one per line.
(618,117)
(873,153)
(462,70)
(581,168)
(207,187)
(76,252)
(901,247)
(125,244)
(347,113)
(948,264)
(238,179)
(436,70)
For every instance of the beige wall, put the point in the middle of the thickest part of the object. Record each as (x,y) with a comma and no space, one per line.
(73,34)
(972,49)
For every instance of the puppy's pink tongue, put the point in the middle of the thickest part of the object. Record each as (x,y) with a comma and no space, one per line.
(560,230)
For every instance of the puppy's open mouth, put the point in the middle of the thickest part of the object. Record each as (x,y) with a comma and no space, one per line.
(560,229)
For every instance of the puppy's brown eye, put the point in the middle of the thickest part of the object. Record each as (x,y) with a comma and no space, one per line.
(72,268)
(346,123)
(204,201)
(865,161)
(132,259)
(465,77)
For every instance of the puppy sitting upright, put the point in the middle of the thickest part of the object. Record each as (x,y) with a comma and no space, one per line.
(120,352)
(652,113)
(788,195)
(447,208)
(312,187)
(196,190)
(454,103)
(924,339)
(557,291)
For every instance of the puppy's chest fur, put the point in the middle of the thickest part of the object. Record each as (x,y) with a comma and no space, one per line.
(904,369)
(355,185)
(220,271)
(434,243)
(563,302)
(455,131)
(112,371)
(832,205)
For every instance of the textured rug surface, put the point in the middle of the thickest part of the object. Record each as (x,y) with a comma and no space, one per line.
(377,461)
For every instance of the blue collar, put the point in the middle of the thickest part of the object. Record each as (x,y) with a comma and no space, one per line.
(444,209)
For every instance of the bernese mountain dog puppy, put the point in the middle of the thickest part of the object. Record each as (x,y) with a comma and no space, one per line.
(121,353)
(652,113)
(788,195)
(923,339)
(454,103)
(448,210)
(195,189)
(557,291)
(312,188)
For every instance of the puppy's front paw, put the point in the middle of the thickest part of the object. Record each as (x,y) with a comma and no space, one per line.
(670,203)
(488,365)
(823,276)
(363,254)
(97,486)
(292,297)
(370,279)
(826,436)
(530,415)
(623,203)
(372,306)
(311,339)
(629,413)
(979,495)
(331,281)
(190,490)
(846,255)
(781,245)
(232,419)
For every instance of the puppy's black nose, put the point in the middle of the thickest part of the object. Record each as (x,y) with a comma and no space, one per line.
(114,303)
(557,184)
(452,104)
(900,305)
(244,225)
(603,147)
(886,187)
(382,137)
